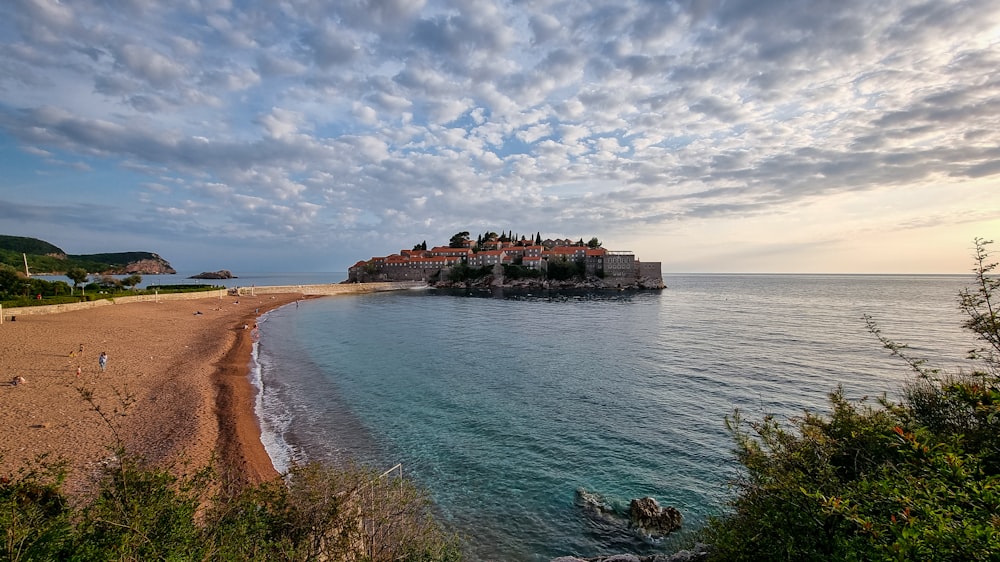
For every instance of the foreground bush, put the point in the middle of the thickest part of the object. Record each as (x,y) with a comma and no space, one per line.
(140,513)
(917,479)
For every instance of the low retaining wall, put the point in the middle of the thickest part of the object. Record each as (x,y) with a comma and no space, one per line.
(68,307)
(311,290)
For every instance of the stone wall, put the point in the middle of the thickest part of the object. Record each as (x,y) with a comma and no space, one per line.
(330,289)
(67,307)
(650,270)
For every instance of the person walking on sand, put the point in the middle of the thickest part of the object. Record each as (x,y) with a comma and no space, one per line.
(79,371)
(103,360)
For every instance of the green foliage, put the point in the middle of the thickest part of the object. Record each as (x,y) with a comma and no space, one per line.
(34,515)
(132,280)
(77,275)
(140,512)
(44,257)
(562,270)
(115,258)
(458,240)
(17,290)
(462,272)
(917,479)
(39,263)
(593,243)
(979,305)
(21,244)
(520,272)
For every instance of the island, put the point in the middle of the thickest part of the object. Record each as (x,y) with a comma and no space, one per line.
(509,260)
(221,274)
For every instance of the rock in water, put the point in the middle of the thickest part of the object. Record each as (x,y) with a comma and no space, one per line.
(646,514)
(221,274)
(592,503)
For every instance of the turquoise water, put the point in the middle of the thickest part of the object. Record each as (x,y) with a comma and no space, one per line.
(504,408)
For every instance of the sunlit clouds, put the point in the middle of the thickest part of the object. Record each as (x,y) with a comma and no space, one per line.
(712,136)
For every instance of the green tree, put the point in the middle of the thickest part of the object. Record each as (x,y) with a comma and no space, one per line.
(594,243)
(9,281)
(458,240)
(910,480)
(77,275)
(563,269)
(132,281)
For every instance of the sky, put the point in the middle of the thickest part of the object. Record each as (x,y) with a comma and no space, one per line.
(825,136)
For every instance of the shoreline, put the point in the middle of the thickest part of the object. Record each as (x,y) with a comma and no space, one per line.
(176,391)
(240,449)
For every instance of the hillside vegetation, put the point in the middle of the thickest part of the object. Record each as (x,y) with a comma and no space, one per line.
(44,257)
(29,245)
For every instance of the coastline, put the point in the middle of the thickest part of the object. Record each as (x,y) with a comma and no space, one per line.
(176,391)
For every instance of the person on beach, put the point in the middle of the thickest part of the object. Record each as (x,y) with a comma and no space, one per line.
(103,360)
(17,380)
(79,371)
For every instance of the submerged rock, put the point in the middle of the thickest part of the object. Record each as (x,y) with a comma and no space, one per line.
(593,503)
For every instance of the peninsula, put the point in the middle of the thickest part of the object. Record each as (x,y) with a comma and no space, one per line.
(509,260)
(38,257)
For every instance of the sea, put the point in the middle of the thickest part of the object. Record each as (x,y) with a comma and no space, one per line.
(509,408)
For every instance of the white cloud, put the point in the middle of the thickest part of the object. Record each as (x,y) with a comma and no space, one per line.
(313,120)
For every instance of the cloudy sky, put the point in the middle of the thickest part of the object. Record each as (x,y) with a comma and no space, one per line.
(303,135)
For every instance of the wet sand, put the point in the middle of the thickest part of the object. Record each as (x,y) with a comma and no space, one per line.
(180,379)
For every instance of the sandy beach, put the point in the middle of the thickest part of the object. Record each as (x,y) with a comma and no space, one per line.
(181,379)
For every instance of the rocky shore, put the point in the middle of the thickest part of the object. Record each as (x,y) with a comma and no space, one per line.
(698,553)
(590,283)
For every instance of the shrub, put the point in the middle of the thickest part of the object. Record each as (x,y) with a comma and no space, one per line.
(140,512)
(34,515)
(917,479)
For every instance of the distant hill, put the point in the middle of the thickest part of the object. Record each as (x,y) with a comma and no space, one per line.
(29,246)
(44,257)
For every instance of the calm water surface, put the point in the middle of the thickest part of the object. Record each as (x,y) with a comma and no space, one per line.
(504,408)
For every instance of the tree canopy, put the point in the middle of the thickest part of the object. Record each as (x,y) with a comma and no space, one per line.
(458,240)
